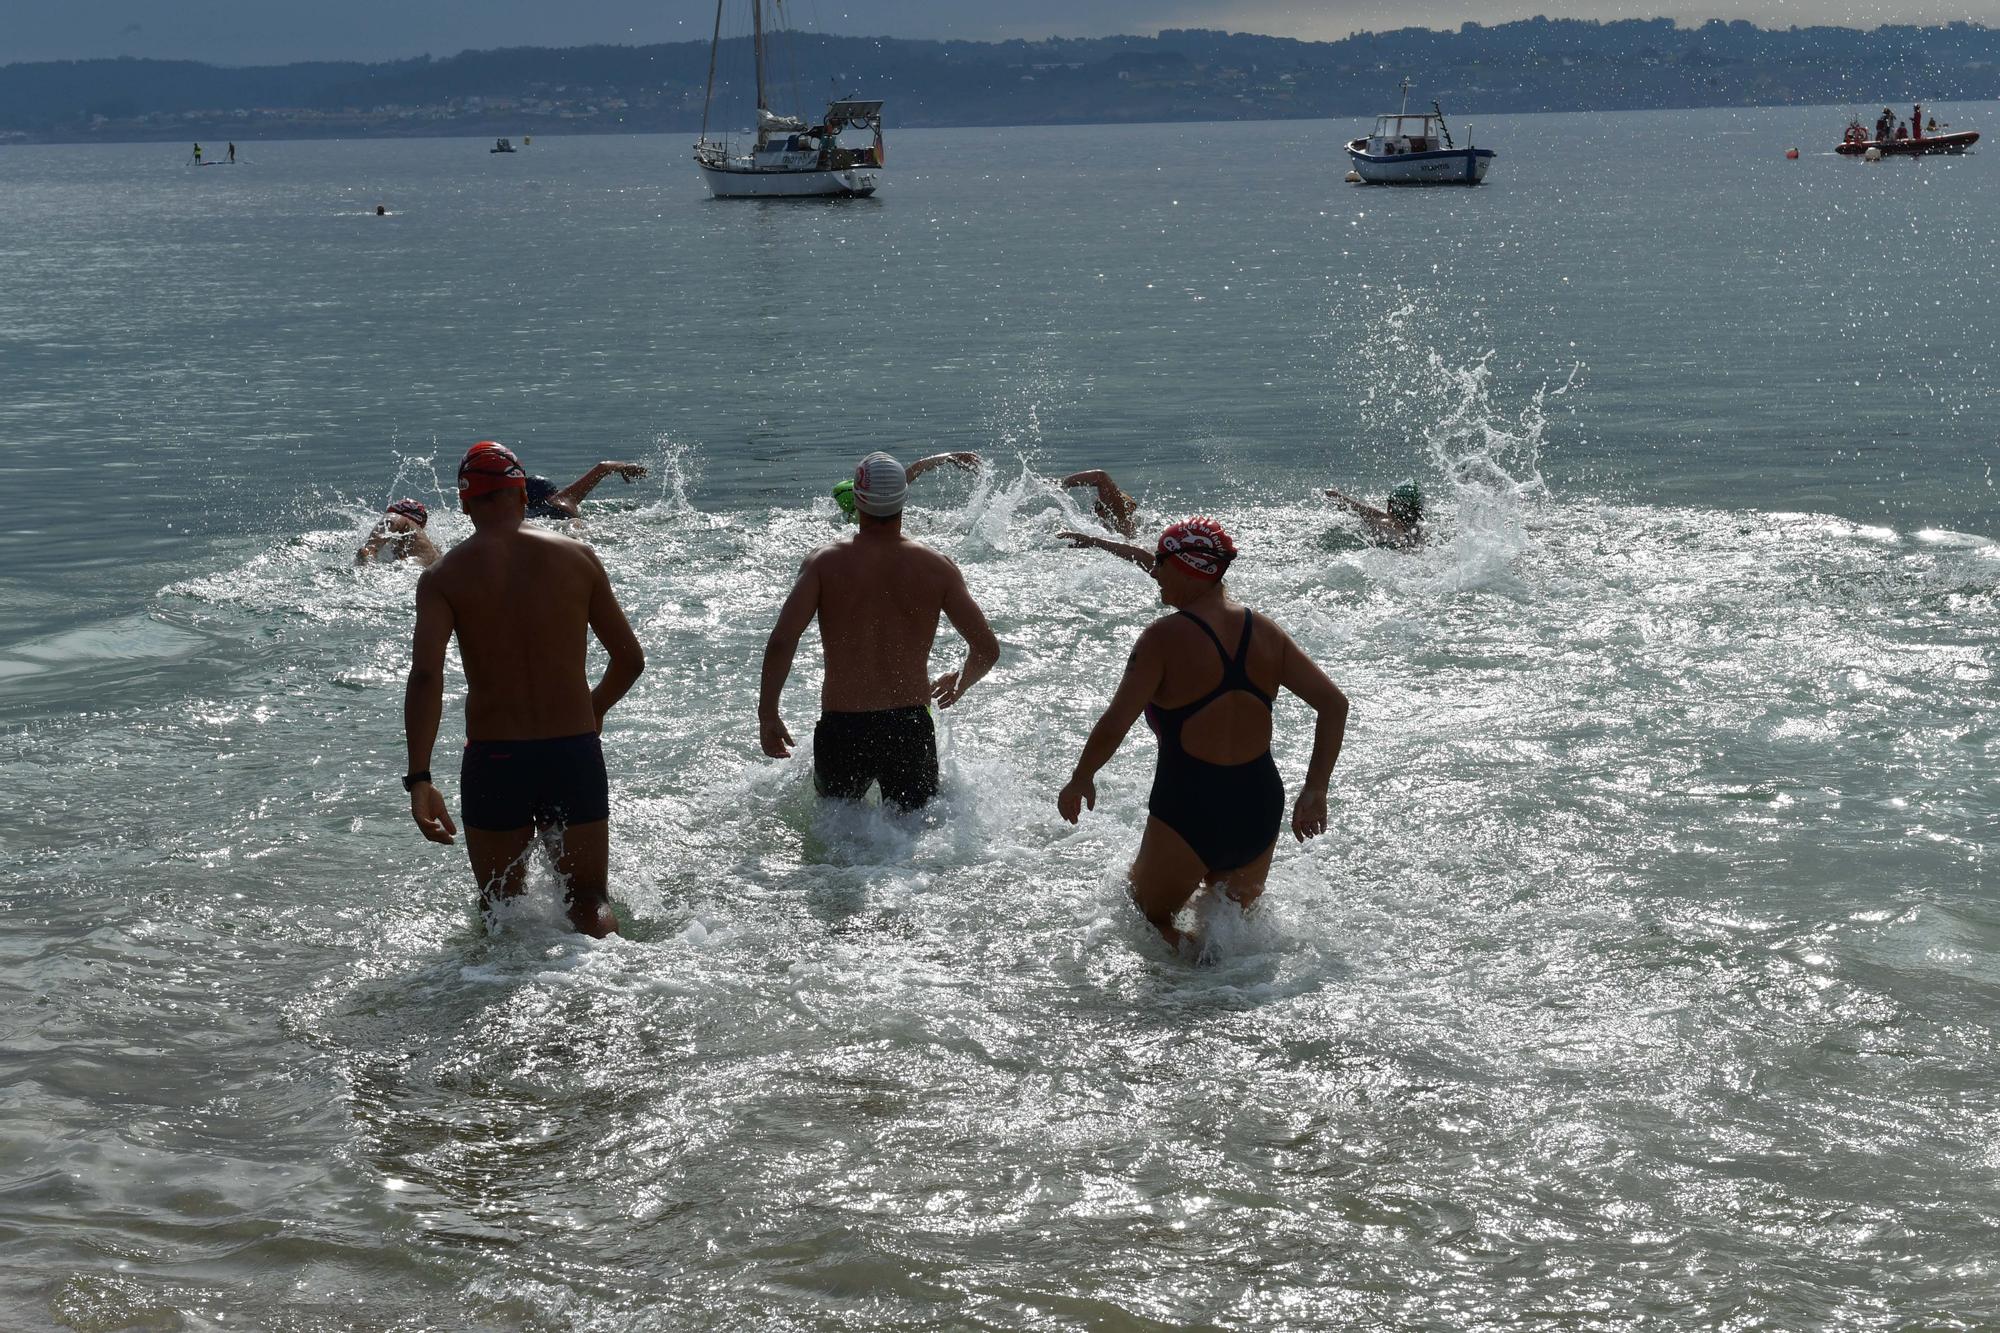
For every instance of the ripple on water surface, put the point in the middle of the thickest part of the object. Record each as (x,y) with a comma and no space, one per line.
(1646,958)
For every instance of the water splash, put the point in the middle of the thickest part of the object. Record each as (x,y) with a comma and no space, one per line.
(1429,379)
(677,463)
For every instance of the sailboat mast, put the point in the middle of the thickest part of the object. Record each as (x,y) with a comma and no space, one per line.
(757,27)
(714,45)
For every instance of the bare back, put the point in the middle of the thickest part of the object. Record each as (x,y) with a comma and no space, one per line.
(521,606)
(1235,727)
(880,596)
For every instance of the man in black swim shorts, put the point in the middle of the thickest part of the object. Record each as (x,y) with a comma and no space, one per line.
(533,767)
(878,596)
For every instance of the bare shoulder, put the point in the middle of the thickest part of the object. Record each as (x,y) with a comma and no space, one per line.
(448,570)
(555,540)
(1266,625)
(821,557)
(930,558)
(1162,632)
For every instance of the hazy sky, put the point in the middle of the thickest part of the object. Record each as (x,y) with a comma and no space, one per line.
(259,31)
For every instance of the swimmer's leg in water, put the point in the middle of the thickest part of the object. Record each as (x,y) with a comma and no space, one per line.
(582,857)
(1166,873)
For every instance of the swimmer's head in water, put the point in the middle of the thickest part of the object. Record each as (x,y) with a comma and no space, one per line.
(1199,546)
(487,468)
(411,509)
(1406,503)
(880,484)
(843,495)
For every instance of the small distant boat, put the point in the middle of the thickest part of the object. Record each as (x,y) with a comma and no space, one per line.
(1900,140)
(502,146)
(788,157)
(1417,150)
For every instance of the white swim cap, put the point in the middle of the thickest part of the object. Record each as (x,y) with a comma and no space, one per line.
(879,486)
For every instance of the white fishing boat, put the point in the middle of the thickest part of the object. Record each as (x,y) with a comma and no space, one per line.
(1416,150)
(785,156)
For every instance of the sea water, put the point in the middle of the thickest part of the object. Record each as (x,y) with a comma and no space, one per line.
(1646,975)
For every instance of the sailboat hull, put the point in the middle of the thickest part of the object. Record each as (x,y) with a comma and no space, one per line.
(741,183)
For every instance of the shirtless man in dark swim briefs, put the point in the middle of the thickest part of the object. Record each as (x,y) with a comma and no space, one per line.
(533,766)
(878,596)
(1206,678)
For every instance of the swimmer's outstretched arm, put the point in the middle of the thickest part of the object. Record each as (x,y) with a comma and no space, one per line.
(1144,671)
(1138,555)
(608,623)
(964,458)
(801,605)
(572,495)
(1303,677)
(423,706)
(1362,508)
(982,647)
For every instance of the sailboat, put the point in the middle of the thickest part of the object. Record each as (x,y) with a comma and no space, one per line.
(788,157)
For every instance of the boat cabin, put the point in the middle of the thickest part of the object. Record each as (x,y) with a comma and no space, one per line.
(1407,134)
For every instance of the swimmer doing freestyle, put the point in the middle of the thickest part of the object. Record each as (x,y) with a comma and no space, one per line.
(1115,509)
(1217,800)
(400,535)
(533,766)
(1399,526)
(546,501)
(843,490)
(878,596)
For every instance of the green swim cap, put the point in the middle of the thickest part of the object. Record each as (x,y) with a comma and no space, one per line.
(843,495)
(1407,501)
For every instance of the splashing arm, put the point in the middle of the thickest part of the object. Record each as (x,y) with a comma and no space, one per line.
(964,458)
(1144,671)
(1084,541)
(1346,501)
(373,546)
(572,495)
(1113,505)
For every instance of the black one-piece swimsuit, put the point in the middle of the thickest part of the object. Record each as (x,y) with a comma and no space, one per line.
(1228,813)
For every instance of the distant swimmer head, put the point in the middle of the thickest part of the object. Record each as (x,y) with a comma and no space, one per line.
(879,486)
(488,468)
(1198,547)
(1406,503)
(411,509)
(381,210)
(843,495)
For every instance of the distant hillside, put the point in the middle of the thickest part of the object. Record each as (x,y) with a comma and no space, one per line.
(1191,74)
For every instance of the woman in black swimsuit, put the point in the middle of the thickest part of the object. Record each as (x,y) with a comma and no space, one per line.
(1206,677)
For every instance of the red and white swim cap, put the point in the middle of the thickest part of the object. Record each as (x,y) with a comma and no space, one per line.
(411,509)
(1199,545)
(488,467)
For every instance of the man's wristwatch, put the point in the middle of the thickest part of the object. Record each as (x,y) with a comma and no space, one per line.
(410,780)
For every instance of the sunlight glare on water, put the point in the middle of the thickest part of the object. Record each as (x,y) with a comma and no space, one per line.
(1646,973)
